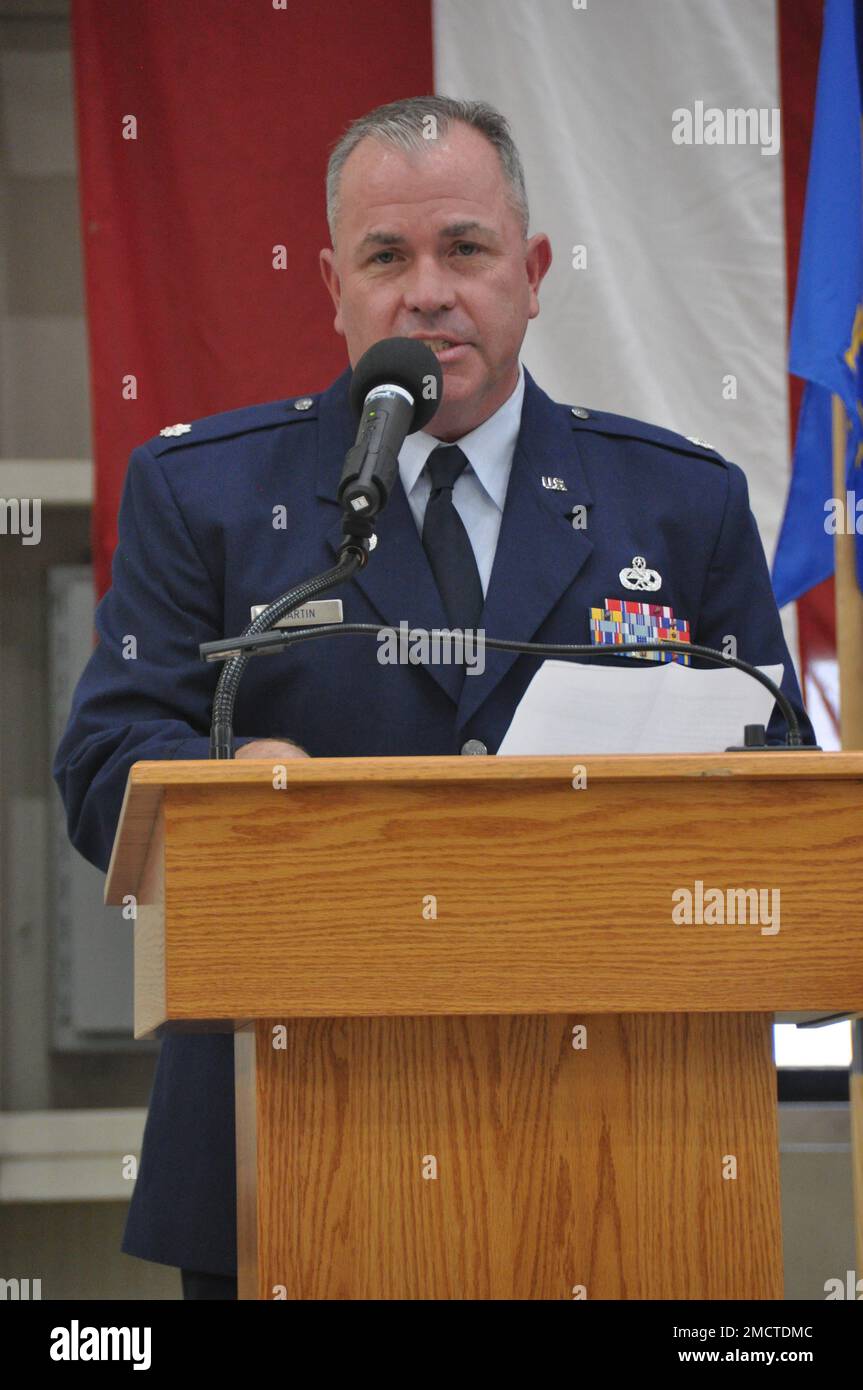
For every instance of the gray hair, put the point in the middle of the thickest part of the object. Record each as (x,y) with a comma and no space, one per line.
(406,123)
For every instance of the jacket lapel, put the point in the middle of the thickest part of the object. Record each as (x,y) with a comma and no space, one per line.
(539,552)
(397,581)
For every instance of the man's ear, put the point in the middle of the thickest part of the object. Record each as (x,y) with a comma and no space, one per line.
(333,283)
(537,261)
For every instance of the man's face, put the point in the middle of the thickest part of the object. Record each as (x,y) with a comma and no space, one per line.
(429,246)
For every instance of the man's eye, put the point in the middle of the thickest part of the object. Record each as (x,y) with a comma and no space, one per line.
(471,246)
(383,253)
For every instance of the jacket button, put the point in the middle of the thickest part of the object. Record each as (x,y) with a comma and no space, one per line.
(474,745)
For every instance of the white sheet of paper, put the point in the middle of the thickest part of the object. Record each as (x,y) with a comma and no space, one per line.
(572,707)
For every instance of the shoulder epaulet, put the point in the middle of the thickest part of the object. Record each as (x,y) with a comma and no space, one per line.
(601,422)
(233,422)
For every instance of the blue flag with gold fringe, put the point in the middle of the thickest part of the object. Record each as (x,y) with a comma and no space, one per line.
(827,326)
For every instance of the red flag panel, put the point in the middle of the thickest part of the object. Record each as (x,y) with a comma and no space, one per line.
(204,131)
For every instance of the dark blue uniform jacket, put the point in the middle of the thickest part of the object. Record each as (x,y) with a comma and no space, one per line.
(198,547)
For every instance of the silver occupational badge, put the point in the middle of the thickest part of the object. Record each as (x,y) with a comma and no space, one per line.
(170,430)
(638,576)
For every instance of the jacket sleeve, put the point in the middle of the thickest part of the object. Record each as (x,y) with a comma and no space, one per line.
(144,693)
(739,602)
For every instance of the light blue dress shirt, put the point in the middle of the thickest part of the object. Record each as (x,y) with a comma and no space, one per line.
(480,489)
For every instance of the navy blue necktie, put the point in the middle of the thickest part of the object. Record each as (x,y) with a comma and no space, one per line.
(447,544)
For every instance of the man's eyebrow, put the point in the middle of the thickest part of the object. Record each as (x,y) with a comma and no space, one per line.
(377,238)
(380,237)
(462,228)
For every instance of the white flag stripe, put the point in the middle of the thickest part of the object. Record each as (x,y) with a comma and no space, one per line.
(685,280)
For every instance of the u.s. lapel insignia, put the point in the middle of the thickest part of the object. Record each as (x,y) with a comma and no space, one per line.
(626,620)
(638,576)
(553,484)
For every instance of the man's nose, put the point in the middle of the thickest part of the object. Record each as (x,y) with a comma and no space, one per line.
(430,288)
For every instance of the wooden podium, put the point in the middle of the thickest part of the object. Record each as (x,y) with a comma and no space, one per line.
(476,1056)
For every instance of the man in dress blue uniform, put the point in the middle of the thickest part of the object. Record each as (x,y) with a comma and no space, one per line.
(547,510)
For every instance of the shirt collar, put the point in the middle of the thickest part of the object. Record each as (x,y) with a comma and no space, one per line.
(487,447)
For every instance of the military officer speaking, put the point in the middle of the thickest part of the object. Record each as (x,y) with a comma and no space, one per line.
(512,513)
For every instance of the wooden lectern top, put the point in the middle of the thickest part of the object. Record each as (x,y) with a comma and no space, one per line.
(461,885)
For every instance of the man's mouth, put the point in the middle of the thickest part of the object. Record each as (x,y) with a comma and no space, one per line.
(445,348)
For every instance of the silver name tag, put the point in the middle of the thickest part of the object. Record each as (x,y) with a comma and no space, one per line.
(322,610)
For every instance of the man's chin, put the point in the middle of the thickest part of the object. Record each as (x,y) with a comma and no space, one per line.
(455,418)
(459,384)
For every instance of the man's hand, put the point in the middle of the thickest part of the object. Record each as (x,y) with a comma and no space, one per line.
(270,750)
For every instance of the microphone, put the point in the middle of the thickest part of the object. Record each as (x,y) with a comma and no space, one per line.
(395,390)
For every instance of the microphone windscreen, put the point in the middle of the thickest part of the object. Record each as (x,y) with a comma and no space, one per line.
(404,362)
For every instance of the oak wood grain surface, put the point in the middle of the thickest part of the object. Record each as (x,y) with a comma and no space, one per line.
(484,893)
(604,1172)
